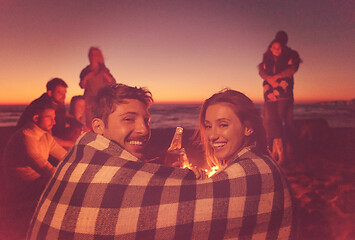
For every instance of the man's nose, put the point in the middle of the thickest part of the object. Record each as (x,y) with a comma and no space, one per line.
(142,127)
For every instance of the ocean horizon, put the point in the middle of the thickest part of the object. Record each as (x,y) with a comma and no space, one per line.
(186,115)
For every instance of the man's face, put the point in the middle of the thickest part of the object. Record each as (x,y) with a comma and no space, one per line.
(58,94)
(46,119)
(128,125)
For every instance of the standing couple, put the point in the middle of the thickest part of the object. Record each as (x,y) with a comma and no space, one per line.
(103,190)
(276,69)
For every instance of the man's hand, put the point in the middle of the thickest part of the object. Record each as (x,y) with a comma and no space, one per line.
(272,80)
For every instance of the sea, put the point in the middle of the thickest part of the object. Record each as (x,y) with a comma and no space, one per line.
(186,115)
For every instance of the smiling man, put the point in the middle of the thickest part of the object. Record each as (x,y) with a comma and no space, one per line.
(121,115)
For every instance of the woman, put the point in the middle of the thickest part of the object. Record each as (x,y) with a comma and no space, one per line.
(234,141)
(92,78)
(277,69)
(77,108)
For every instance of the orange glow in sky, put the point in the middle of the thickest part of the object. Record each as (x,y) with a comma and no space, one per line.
(180,50)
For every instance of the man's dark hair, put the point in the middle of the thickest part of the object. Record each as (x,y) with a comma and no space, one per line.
(38,106)
(281,37)
(53,83)
(109,96)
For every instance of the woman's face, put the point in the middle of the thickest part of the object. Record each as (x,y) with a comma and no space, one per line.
(276,49)
(224,131)
(79,108)
(96,57)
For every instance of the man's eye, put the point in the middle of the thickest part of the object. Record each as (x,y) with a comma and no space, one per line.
(128,119)
(222,125)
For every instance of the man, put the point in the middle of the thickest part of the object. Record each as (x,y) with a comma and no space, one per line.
(56,93)
(25,162)
(103,189)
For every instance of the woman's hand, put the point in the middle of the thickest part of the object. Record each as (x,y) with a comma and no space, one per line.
(84,80)
(200,173)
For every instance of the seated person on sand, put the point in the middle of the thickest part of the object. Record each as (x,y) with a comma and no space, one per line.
(102,188)
(25,159)
(77,108)
(56,92)
(77,122)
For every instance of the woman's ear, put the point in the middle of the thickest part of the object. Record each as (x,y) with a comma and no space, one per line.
(98,126)
(248,130)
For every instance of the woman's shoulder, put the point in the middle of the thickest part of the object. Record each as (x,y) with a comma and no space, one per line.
(85,71)
(254,162)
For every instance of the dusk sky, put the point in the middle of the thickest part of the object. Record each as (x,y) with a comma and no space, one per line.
(180,50)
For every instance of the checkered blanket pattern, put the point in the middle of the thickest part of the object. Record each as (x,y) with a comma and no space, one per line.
(100,191)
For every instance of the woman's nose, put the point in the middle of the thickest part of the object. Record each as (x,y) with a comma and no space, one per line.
(212,134)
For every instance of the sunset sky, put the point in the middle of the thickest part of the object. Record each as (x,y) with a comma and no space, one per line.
(180,50)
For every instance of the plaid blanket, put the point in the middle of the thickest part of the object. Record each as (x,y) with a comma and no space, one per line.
(100,191)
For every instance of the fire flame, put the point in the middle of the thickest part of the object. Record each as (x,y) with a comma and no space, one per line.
(212,171)
(186,165)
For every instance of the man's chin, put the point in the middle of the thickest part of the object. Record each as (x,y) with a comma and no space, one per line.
(138,152)
(138,155)
(59,102)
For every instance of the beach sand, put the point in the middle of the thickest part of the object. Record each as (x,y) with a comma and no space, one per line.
(321,175)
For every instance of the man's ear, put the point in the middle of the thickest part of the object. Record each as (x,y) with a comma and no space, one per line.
(35,118)
(50,93)
(98,126)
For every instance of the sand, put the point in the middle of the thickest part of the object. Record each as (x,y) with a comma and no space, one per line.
(321,175)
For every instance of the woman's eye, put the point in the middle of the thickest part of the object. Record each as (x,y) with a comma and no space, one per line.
(222,125)
(207,127)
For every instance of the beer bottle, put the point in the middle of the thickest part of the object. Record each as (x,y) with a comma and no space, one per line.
(175,154)
(175,144)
